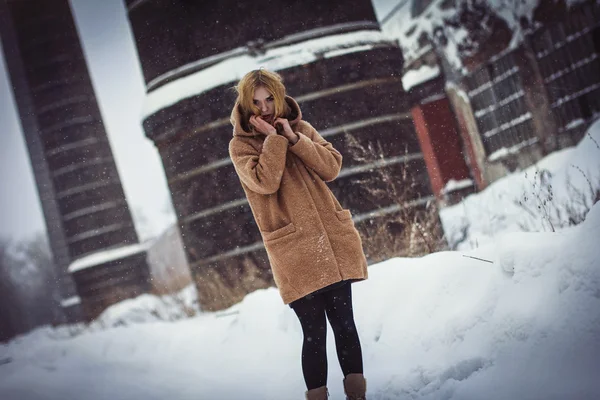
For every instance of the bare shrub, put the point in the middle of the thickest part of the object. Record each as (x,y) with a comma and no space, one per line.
(543,207)
(555,214)
(180,306)
(412,228)
(539,203)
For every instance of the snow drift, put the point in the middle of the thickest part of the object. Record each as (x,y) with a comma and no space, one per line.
(518,318)
(544,197)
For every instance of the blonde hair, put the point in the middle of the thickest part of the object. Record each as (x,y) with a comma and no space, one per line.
(271,81)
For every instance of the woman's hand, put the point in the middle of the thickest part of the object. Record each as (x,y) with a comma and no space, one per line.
(287,130)
(262,126)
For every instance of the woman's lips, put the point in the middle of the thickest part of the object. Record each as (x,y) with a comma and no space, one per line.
(267,118)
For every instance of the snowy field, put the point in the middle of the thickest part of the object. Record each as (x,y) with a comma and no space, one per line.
(544,197)
(512,313)
(523,324)
(517,317)
(509,315)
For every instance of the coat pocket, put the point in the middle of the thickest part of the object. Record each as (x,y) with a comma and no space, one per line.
(344,215)
(279,233)
(284,257)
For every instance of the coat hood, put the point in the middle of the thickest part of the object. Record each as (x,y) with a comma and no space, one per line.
(241,126)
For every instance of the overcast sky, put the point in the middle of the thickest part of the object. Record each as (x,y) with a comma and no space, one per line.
(115,70)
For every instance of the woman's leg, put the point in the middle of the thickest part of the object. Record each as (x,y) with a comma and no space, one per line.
(338,305)
(311,313)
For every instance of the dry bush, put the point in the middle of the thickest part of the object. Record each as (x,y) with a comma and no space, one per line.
(171,280)
(226,282)
(414,229)
(541,205)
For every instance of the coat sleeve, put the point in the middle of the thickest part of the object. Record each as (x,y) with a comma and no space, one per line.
(318,154)
(260,171)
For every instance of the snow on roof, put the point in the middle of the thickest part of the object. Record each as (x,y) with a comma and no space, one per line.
(105,256)
(232,69)
(407,30)
(454,185)
(341,52)
(71,301)
(415,77)
(507,151)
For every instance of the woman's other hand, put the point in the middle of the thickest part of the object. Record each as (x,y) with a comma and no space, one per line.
(287,130)
(262,126)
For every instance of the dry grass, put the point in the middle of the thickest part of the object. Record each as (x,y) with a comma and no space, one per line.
(415,229)
(542,206)
(227,282)
(172,280)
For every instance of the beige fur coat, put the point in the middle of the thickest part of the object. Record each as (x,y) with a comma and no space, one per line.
(310,240)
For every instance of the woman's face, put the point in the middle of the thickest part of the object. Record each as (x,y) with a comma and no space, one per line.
(266,103)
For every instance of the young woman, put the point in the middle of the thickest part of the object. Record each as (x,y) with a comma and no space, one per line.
(314,250)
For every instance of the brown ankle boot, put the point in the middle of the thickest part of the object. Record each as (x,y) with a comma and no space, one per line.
(355,387)
(319,393)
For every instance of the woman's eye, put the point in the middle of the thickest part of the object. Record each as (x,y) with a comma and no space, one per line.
(255,102)
(270,99)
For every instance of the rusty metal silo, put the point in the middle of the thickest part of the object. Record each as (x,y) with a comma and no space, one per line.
(80,190)
(335,62)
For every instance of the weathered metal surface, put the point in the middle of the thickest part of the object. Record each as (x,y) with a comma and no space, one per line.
(79,186)
(350,97)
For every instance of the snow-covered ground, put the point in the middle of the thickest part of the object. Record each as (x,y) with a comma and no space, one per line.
(523,324)
(510,315)
(543,197)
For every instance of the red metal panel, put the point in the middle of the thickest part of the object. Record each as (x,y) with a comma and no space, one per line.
(440,143)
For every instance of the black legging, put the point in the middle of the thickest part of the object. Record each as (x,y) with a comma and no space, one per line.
(311,310)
